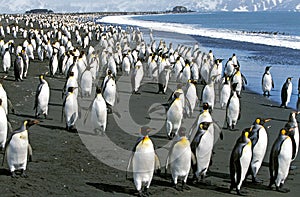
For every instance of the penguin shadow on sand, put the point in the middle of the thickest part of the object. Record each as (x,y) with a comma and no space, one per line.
(113,188)
(4,172)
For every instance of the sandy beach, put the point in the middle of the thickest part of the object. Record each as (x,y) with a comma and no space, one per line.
(72,164)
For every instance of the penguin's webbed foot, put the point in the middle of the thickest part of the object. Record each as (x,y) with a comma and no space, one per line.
(13,174)
(256,180)
(282,190)
(178,188)
(240,193)
(23,174)
(185,186)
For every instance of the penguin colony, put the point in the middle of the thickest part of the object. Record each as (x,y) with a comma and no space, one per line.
(125,52)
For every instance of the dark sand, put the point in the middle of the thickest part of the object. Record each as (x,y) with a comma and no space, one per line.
(63,166)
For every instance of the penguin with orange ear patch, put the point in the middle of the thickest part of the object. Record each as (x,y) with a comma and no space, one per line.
(143,161)
(240,160)
(280,160)
(17,148)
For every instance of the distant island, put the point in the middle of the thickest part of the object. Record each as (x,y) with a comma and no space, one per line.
(39,11)
(180,9)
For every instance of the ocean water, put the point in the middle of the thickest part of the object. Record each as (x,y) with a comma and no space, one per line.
(258,39)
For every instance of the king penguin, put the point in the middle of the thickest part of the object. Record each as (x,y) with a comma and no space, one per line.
(179,159)
(6,60)
(280,160)
(137,77)
(292,125)
(240,161)
(143,161)
(17,148)
(42,98)
(70,109)
(267,82)
(18,68)
(202,147)
(286,92)
(174,116)
(259,138)
(3,126)
(98,113)
(225,92)
(109,90)
(233,109)
(191,97)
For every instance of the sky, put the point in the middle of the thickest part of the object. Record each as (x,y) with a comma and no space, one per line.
(20,6)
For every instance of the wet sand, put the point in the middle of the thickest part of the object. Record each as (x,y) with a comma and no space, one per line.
(64,164)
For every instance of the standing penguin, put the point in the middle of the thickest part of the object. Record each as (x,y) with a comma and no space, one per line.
(143,161)
(42,98)
(98,113)
(240,161)
(70,109)
(233,108)
(208,93)
(191,97)
(17,148)
(53,64)
(86,82)
(18,68)
(179,158)
(109,91)
(174,116)
(137,77)
(163,80)
(280,160)
(286,92)
(292,125)
(3,126)
(225,92)
(6,60)
(259,138)
(267,82)
(202,147)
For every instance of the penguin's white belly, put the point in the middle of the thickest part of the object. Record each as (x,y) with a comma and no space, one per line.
(284,161)
(245,162)
(204,151)
(175,112)
(267,83)
(17,153)
(138,79)
(54,65)
(3,96)
(110,93)
(143,164)
(238,80)
(191,96)
(225,94)
(259,150)
(289,93)
(296,130)
(3,127)
(233,109)
(209,95)
(71,109)
(180,160)
(99,114)
(43,99)
(86,82)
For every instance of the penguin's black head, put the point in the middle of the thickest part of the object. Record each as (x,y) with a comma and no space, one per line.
(233,55)
(109,72)
(204,125)
(29,122)
(98,90)
(289,79)
(71,89)
(205,106)
(71,74)
(187,62)
(245,134)
(145,130)
(261,121)
(181,132)
(267,68)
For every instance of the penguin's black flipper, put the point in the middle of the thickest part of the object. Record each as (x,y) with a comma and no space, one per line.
(129,164)
(38,92)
